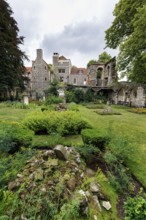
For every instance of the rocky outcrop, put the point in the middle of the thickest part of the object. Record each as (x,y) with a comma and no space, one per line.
(61,174)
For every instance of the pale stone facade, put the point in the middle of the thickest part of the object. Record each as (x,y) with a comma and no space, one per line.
(61,67)
(40,75)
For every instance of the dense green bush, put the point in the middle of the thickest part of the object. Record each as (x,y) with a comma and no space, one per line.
(53,100)
(13,136)
(97,138)
(63,123)
(135,208)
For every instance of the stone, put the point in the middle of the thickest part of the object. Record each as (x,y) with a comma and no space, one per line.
(39,174)
(48,153)
(106,205)
(71,183)
(19,175)
(96,202)
(51,162)
(12,185)
(90,172)
(95,217)
(66,176)
(94,188)
(60,152)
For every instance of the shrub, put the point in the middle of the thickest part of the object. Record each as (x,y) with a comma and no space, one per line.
(97,138)
(53,100)
(135,208)
(13,136)
(63,123)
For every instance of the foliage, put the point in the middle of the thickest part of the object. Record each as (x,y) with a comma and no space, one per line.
(127,32)
(53,88)
(10,165)
(104,57)
(89,153)
(13,136)
(97,138)
(11,57)
(63,123)
(91,62)
(53,100)
(135,208)
(118,152)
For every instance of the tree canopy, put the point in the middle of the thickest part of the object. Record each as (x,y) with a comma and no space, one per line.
(103,58)
(128,32)
(11,57)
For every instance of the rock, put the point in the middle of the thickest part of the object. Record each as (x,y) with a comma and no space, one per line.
(60,152)
(66,177)
(94,188)
(90,172)
(95,217)
(96,202)
(19,175)
(43,189)
(48,153)
(51,162)
(39,174)
(83,207)
(12,185)
(71,183)
(50,182)
(106,205)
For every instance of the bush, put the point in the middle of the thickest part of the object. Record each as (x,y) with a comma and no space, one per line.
(13,136)
(97,138)
(53,100)
(135,208)
(63,123)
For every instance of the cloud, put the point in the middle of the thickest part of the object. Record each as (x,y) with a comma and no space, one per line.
(84,37)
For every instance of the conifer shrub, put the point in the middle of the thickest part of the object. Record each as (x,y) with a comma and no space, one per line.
(97,138)
(63,123)
(13,136)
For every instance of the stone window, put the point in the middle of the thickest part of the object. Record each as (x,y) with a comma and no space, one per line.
(45,67)
(61,70)
(84,81)
(75,80)
(45,79)
(34,67)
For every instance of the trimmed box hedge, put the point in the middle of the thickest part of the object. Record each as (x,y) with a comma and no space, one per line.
(97,138)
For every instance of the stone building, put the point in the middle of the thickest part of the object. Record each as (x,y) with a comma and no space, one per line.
(102,74)
(78,76)
(62,68)
(98,74)
(129,94)
(40,76)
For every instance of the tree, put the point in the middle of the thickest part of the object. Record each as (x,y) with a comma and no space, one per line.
(104,57)
(11,57)
(91,62)
(128,32)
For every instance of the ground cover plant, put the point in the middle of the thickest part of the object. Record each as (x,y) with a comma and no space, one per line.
(124,155)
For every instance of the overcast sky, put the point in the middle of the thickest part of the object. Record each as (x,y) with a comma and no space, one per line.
(73,28)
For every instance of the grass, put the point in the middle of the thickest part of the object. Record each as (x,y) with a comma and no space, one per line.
(129,125)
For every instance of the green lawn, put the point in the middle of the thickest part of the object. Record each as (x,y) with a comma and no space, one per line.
(127,124)
(130,125)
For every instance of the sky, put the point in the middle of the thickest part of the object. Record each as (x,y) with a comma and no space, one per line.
(72,28)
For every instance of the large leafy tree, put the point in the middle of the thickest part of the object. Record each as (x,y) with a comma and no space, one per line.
(104,57)
(11,57)
(128,33)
